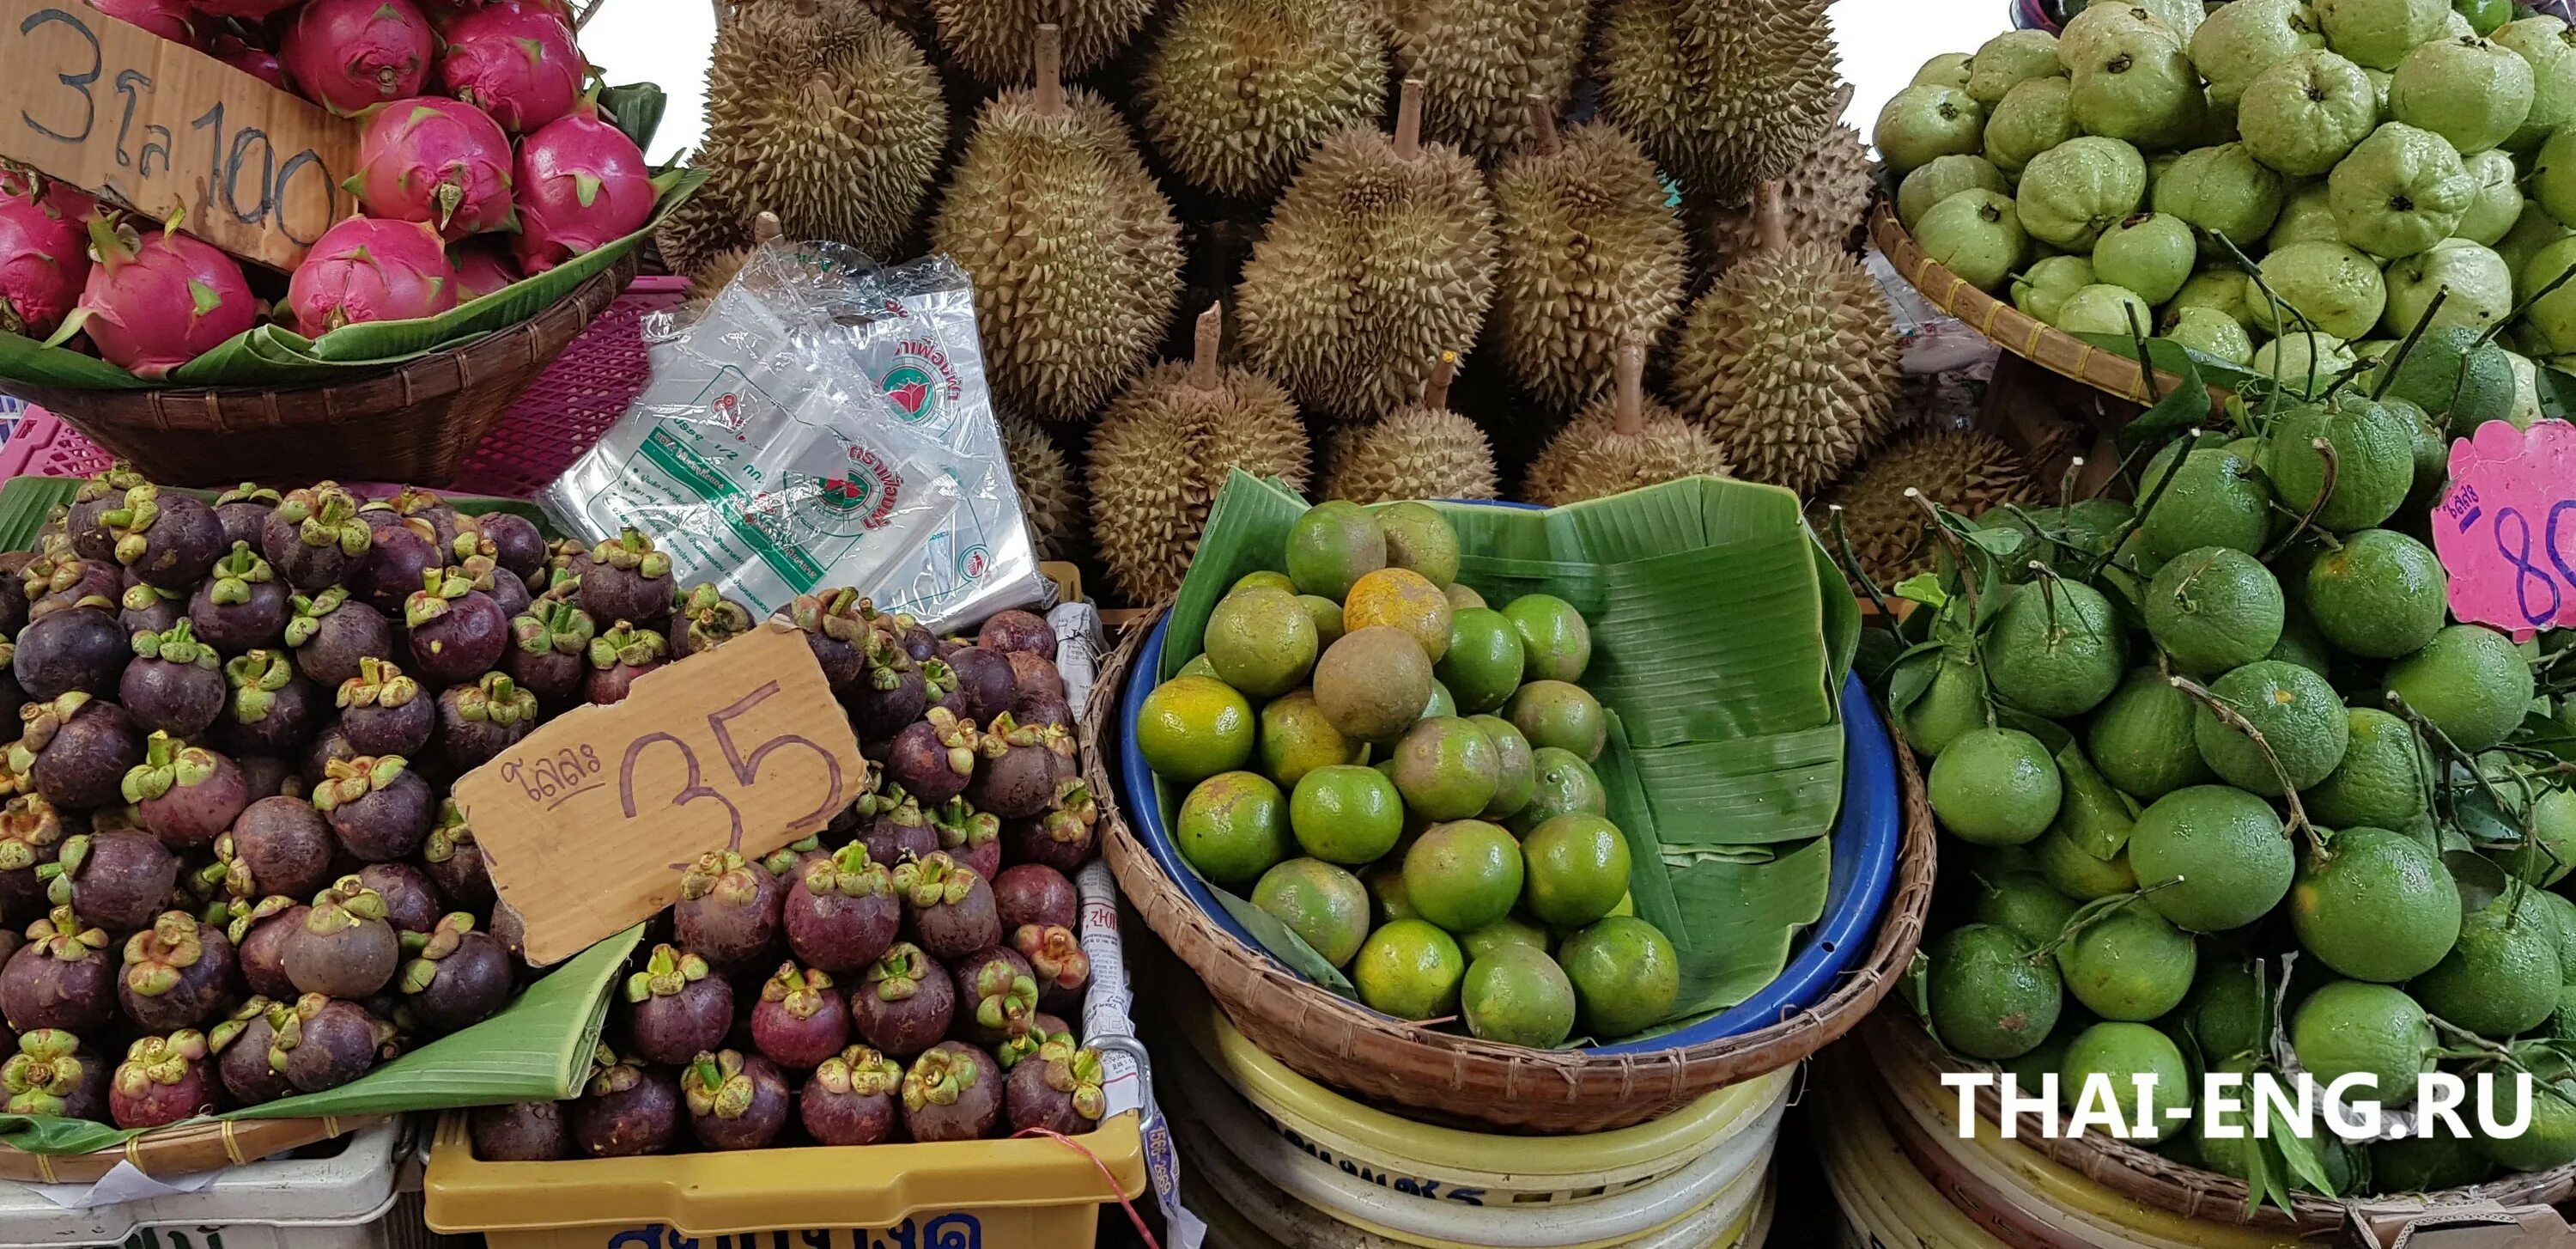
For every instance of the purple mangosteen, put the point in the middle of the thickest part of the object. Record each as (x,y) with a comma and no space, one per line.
(627,1110)
(729,908)
(506,592)
(75,750)
(83,521)
(378,806)
(61,978)
(148,609)
(411,901)
(1041,692)
(168,539)
(952,1093)
(851,1098)
(399,560)
(799,1020)
(178,973)
(841,913)
(677,1006)
(905,1002)
(736,1100)
(240,1044)
(344,948)
(78,649)
(835,624)
(1034,893)
(243,512)
(1062,838)
(626,579)
(996,995)
(457,631)
(550,656)
(331,634)
(972,837)
(11,697)
(1016,631)
(277,845)
(1056,958)
(186,795)
(890,690)
(274,709)
(985,688)
(329,746)
(323,1043)
(175,684)
(243,605)
(477,722)
(950,908)
(50,1076)
(895,827)
(1022,764)
(458,977)
(383,711)
(59,580)
(514,540)
(1043,1028)
(118,879)
(260,933)
(314,538)
(618,657)
(1057,1089)
(31,834)
(454,860)
(705,619)
(418,508)
(520,1132)
(933,758)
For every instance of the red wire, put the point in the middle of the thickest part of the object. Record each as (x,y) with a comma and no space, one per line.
(1079,1148)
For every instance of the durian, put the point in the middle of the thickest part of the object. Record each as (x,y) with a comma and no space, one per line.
(1790,360)
(1723,93)
(1419,451)
(1162,451)
(1589,258)
(819,111)
(1074,251)
(1050,493)
(1823,200)
(1967,472)
(713,271)
(1379,258)
(991,39)
(1481,61)
(1238,92)
(1621,442)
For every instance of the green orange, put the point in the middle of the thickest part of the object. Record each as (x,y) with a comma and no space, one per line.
(1409,969)
(1463,875)
(1404,599)
(1192,728)
(1447,768)
(1233,827)
(1575,869)
(1558,641)
(1325,906)
(1518,996)
(1296,739)
(1556,713)
(1346,814)
(1626,975)
(1484,661)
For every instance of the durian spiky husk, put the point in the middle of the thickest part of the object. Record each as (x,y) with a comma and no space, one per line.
(1075,253)
(995,39)
(1482,59)
(1962,470)
(1823,200)
(1237,92)
(821,112)
(1590,258)
(1050,491)
(1416,452)
(1594,456)
(1723,93)
(713,271)
(1161,453)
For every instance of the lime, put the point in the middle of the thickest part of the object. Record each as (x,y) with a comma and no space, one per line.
(1326,907)
(2502,976)
(2427,1164)
(2549,1141)
(2025,904)
(2544,859)
(2384,781)
(2216,499)
(1346,814)
(2355,1028)
(1442,702)
(2376,906)
(2432,452)
(2374,461)
(1509,930)
(1263,578)
(2129,963)
(1198,666)
(2564,912)
(1403,599)
(2073,871)
(1989,997)
(2054,649)
(2298,715)
(1296,739)
(2140,738)
(1953,703)
(1995,786)
(1192,728)
(1328,618)
(1577,869)
(2301,644)
(1515,770)
(1461,597)
(2213,609)
(1564,783)
(2432,374)
(1333,545)
(1419,538)
(1483,663)
(2214,857)
(1463,875)
(1555,713)
(1625,975)
(1261,641)
(2227,1016)
(2379,595)
(2471,682)
(1385,881)
(1518,996)
(1232,827)
(1410,970)
(1447,768)
(1554,635)
(2120,1054)
(2032,1070)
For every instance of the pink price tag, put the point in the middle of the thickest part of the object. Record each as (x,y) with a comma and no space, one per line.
(2506,529)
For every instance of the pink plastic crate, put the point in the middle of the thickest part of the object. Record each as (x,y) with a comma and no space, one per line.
(568,407)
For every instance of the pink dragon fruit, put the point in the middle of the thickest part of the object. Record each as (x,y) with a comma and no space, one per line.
(481,268)
(515,60)
(371,269)
(156,301)
(351,55)
(44,259)
(166,18)
(259,63)
(245,10)
(582,184)
(436,160)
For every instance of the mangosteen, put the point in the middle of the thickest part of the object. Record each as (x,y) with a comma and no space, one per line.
(1043,1028)
(76,649)
(510,928)
(384,712)
(457,631)
(175,684)
(169,539)
(331,634)
(13,592)
(118,879)
(561,577)
(54,582)
(243,512)
(729,908)
(83,521)
(896,828)
(60,978)
(240,1044)
(454,860)
(477,722)
(972,837)
(520,1132)
(837,631)
(67,747)
(1041,692)
(323,1042)
(618,657)
(551,657)
(626,579)
(1057,1090)
(952,1093)
(163,1079)
(736,1100)
(185,795)
(260,932)
(889,692)
(985,688)
(416,506)
(676,1007)
(11,697)
(514,539)
(506,592)
(458,977)
(1022,763)
(1056,958)
(273,709)
(705,619)
(178,973)
(787,862)
(1034,893)
(277,845)
(400,558)
(841,913)
(411,901)
(314,539)
(142,608)
(378,806)
(996,995)
(1018,631)
(242,604)
(31,834)
(934,757)
(799,1020)
(951,908)
(344,948)
(1061,838)
(904,1003)
(50,1076)
(850,1098)
(626,1110)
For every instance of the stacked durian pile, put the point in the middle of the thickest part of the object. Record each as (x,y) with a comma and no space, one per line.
(1419,209)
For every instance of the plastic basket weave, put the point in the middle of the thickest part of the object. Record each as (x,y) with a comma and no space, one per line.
(557,418)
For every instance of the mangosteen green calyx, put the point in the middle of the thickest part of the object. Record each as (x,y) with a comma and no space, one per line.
(31,834)
(273,705)
(76,750)
(1063,837)
(119,879)
(243,511)
(175,683)
(178,973)
(475,557)
(163,1079)
(454,860)
(383,711)
(315,538)
(405,552)
(323,1043)
(891,689)
(512,539)
(676,1007)
(951,907)
(242,604)
(626,579)
(850,1098)
(729,908)
(477,722)
(418,508)
(905,1002)
(996,993)
(897,828)
(841,915)
(934,757)
(839,633)
(277,845)
(83,521)
(952,1093)
(164,539)
(60,978)
(705,619)
(457,631)
(379,807)
(331,634)
(799,1020)
(1022,763)
(78,648)
(619,656)
(241,1044)
(550,651)
(50,1076)
(457,977)
(626,1111)
(344,948)
(144,608)
(411,902)
(54,581)
(186,795)
(972,837)
(1057,1089)
(736,1100)
(1055,957)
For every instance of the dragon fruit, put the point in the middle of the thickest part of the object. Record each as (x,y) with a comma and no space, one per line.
(369,269)
(44,258)
(515,60)
(259,63)
(582,184)
(156,301)
(482,268)
(166,18)
(351,55)
(435,160)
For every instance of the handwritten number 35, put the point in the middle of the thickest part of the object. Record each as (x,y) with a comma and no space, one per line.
(746,768)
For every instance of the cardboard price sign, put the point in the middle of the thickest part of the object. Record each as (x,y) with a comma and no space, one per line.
(588,823)
(2506,529)
(111,107)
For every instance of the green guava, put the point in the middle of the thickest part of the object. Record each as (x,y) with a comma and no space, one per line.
(2336,288)
(2009,60)
(2303,115)
(1922,122)
(2086,32)
(2071,193)
(1949,69)
(2305,216)
(2379,33)
(1941,178)
(2553,176)
(2246,37)
(2480,286)
(2149,253)
(2533,230)
(2219,191)
(2526,392)
(2211,331)
(2457,25)
(1975,234)
(2400,191)
(2104,309)
(2469,91)
(2033,117)
(2499,198)
(2219,288)
(2548,45)
(2182,17)
(2040,289)
(2136,84)
(2305,363)
(2379,79)
(2553,316)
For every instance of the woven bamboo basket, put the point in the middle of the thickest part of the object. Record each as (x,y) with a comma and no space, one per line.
(1446,1078)
(413,423)
(181,1149)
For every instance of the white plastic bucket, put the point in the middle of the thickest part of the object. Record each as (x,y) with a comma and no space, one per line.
(338,1202)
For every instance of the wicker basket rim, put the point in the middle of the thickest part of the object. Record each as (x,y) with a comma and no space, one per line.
(182,1148)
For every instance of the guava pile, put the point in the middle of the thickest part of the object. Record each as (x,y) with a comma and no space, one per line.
(1414,801)
(2287,185)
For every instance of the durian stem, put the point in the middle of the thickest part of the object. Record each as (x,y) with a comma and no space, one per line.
(1203,353)
(1435,388)
(1543,123)
(765,228)
(1770,220)
(1408,120)
(1628,415)
(1050,70)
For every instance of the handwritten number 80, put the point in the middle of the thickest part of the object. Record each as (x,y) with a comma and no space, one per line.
(746,768)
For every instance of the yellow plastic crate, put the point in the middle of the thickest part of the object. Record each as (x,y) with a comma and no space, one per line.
(1017,1194)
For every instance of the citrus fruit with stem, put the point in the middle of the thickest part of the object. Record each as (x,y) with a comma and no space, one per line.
(2213,609)
(2216,498)
(2549,1140)
(2054,648)
(1192,728)
(2227,1015)
(2024,904)
(1995,787)
(1989,998)
(2376,905)
(2213,856)
(2354,1027)
(2378,595)
(2075,872)
(2374,461)
(2469,681)
(2121,1053)
(2384,781)
(2298,714)
(2127,962)
(2502,975)
(1953,703)
(2140,738)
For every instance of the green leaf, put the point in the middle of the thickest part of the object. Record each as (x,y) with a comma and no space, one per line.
(2093,815)
(1284,943)
(2001,543)
(1912,677)
(2186,405)
(2299,1154)
(635,108)
(1924,588)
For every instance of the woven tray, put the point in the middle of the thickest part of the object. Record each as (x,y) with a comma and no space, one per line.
(181,1149)
(1447,1078)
